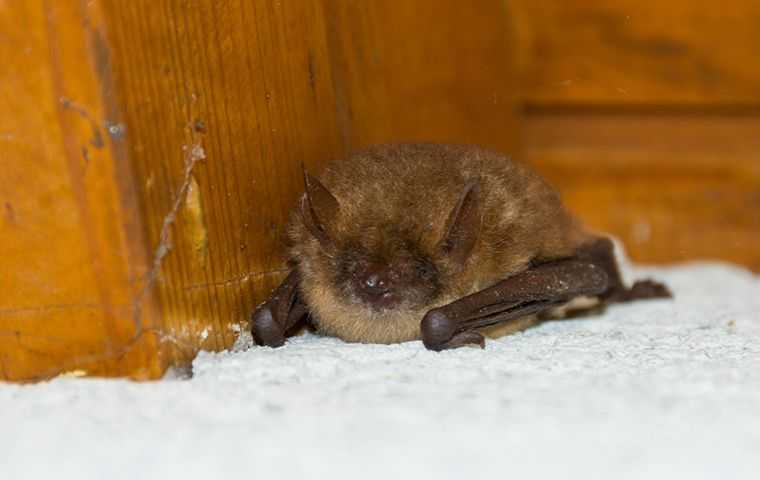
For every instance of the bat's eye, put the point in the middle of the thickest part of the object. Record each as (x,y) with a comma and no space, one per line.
(426,270)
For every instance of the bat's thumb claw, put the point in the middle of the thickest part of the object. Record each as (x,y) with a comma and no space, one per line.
(265,329)
(439,333)
(437,329)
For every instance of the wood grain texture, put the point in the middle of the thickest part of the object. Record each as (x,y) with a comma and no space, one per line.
(428,70)
(673,187)
(224,102)
(70,239)
(628,52)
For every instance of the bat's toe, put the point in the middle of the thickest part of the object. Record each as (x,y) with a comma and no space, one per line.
(649,289)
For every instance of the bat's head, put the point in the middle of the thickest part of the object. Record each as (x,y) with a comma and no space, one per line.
(366,277)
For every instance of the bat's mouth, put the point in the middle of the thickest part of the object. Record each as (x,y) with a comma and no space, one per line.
(382,299)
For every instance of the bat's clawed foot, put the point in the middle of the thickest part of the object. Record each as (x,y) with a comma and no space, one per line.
(642,290)
(439,333)
(650,289)
(266,331)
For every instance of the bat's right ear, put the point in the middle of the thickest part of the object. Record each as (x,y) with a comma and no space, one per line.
(319,208)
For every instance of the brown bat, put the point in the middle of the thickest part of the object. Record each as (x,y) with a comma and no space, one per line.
(435,242)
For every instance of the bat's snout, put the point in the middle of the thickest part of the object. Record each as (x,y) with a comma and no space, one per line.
(377,288)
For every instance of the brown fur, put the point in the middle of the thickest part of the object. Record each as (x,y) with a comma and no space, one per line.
(394,204)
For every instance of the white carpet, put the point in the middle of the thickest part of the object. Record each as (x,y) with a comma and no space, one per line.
(662,389)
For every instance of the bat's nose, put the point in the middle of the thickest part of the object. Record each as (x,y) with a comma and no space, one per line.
(375,288)
(375,282)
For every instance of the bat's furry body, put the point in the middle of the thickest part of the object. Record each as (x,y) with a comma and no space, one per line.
(395,205)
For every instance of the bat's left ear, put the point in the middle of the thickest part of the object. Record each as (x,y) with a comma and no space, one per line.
(463,225)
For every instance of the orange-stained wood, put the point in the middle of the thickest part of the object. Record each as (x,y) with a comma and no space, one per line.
(223,103)
(427,70)
(646,116)
(672,186)
(632,52)
(71,242)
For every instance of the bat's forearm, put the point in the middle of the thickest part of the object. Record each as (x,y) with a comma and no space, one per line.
(529,292)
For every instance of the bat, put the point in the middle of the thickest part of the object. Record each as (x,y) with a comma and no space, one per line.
(439,243)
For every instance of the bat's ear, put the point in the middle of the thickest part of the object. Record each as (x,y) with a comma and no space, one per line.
(463,225)
(319,208)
